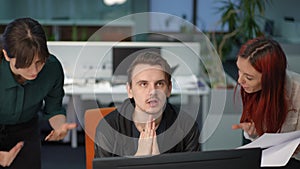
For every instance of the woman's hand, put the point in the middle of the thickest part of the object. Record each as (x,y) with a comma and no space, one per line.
(248,127)
(61,132)
(148,141)
(6,158)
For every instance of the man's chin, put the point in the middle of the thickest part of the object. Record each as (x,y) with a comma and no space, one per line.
(154,111)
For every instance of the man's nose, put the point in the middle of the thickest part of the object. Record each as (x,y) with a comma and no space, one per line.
(151,89)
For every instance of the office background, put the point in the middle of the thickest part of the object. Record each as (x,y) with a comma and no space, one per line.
(97,10)
(73,20)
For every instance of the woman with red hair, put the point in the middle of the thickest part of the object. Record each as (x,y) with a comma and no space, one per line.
(270,94)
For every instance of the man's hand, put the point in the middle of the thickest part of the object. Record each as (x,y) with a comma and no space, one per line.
(60,133)
(147,142)
(155,149)
(6,158)
(247,127)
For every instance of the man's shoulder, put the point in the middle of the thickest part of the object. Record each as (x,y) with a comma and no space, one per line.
(183,116)
(112,115)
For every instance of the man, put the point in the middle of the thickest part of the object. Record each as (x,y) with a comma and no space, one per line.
(146,124)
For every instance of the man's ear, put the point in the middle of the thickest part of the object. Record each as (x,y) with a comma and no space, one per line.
(129,91)
(5,55)
(169,90)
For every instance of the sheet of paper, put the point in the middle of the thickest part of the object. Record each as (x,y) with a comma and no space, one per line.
(279,155)
(279,147)
(271,139)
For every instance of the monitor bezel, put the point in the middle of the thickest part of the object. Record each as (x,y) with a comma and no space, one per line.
(234,158)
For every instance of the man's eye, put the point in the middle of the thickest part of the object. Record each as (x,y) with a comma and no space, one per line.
(143,84)
(160,84)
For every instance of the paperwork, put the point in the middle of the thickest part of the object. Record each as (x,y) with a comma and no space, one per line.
(278,147)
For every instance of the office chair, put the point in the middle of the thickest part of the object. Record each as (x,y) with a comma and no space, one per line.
(91,120)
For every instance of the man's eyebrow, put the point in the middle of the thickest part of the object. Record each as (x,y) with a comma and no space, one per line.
(146,81)
(141,81)
(162,80)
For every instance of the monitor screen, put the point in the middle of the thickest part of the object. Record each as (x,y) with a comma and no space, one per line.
(123,56)
(217,159)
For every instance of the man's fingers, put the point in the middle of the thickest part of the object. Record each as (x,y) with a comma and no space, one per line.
(155,149)
(153,125)
(142,134)
(145,143)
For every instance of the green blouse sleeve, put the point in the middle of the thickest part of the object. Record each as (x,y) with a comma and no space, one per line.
(53,99)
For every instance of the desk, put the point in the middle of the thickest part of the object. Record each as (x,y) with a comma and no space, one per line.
(118,94)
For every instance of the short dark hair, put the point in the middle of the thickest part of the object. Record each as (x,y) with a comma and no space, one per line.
(23,39)
(150,58)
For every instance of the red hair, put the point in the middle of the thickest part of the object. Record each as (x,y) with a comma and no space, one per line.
(267,108)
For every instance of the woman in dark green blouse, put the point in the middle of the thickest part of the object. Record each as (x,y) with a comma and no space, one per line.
(30,79)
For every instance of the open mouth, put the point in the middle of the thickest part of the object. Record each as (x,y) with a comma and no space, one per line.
(153,102)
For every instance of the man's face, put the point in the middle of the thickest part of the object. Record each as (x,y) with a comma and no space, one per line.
(149,89)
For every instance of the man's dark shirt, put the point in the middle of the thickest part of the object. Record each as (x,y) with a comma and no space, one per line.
(117,135)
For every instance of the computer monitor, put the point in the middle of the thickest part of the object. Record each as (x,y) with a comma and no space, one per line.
(122,57)
(217,159)
(125,55)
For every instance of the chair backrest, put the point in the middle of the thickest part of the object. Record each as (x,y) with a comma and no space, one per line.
(91,120)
